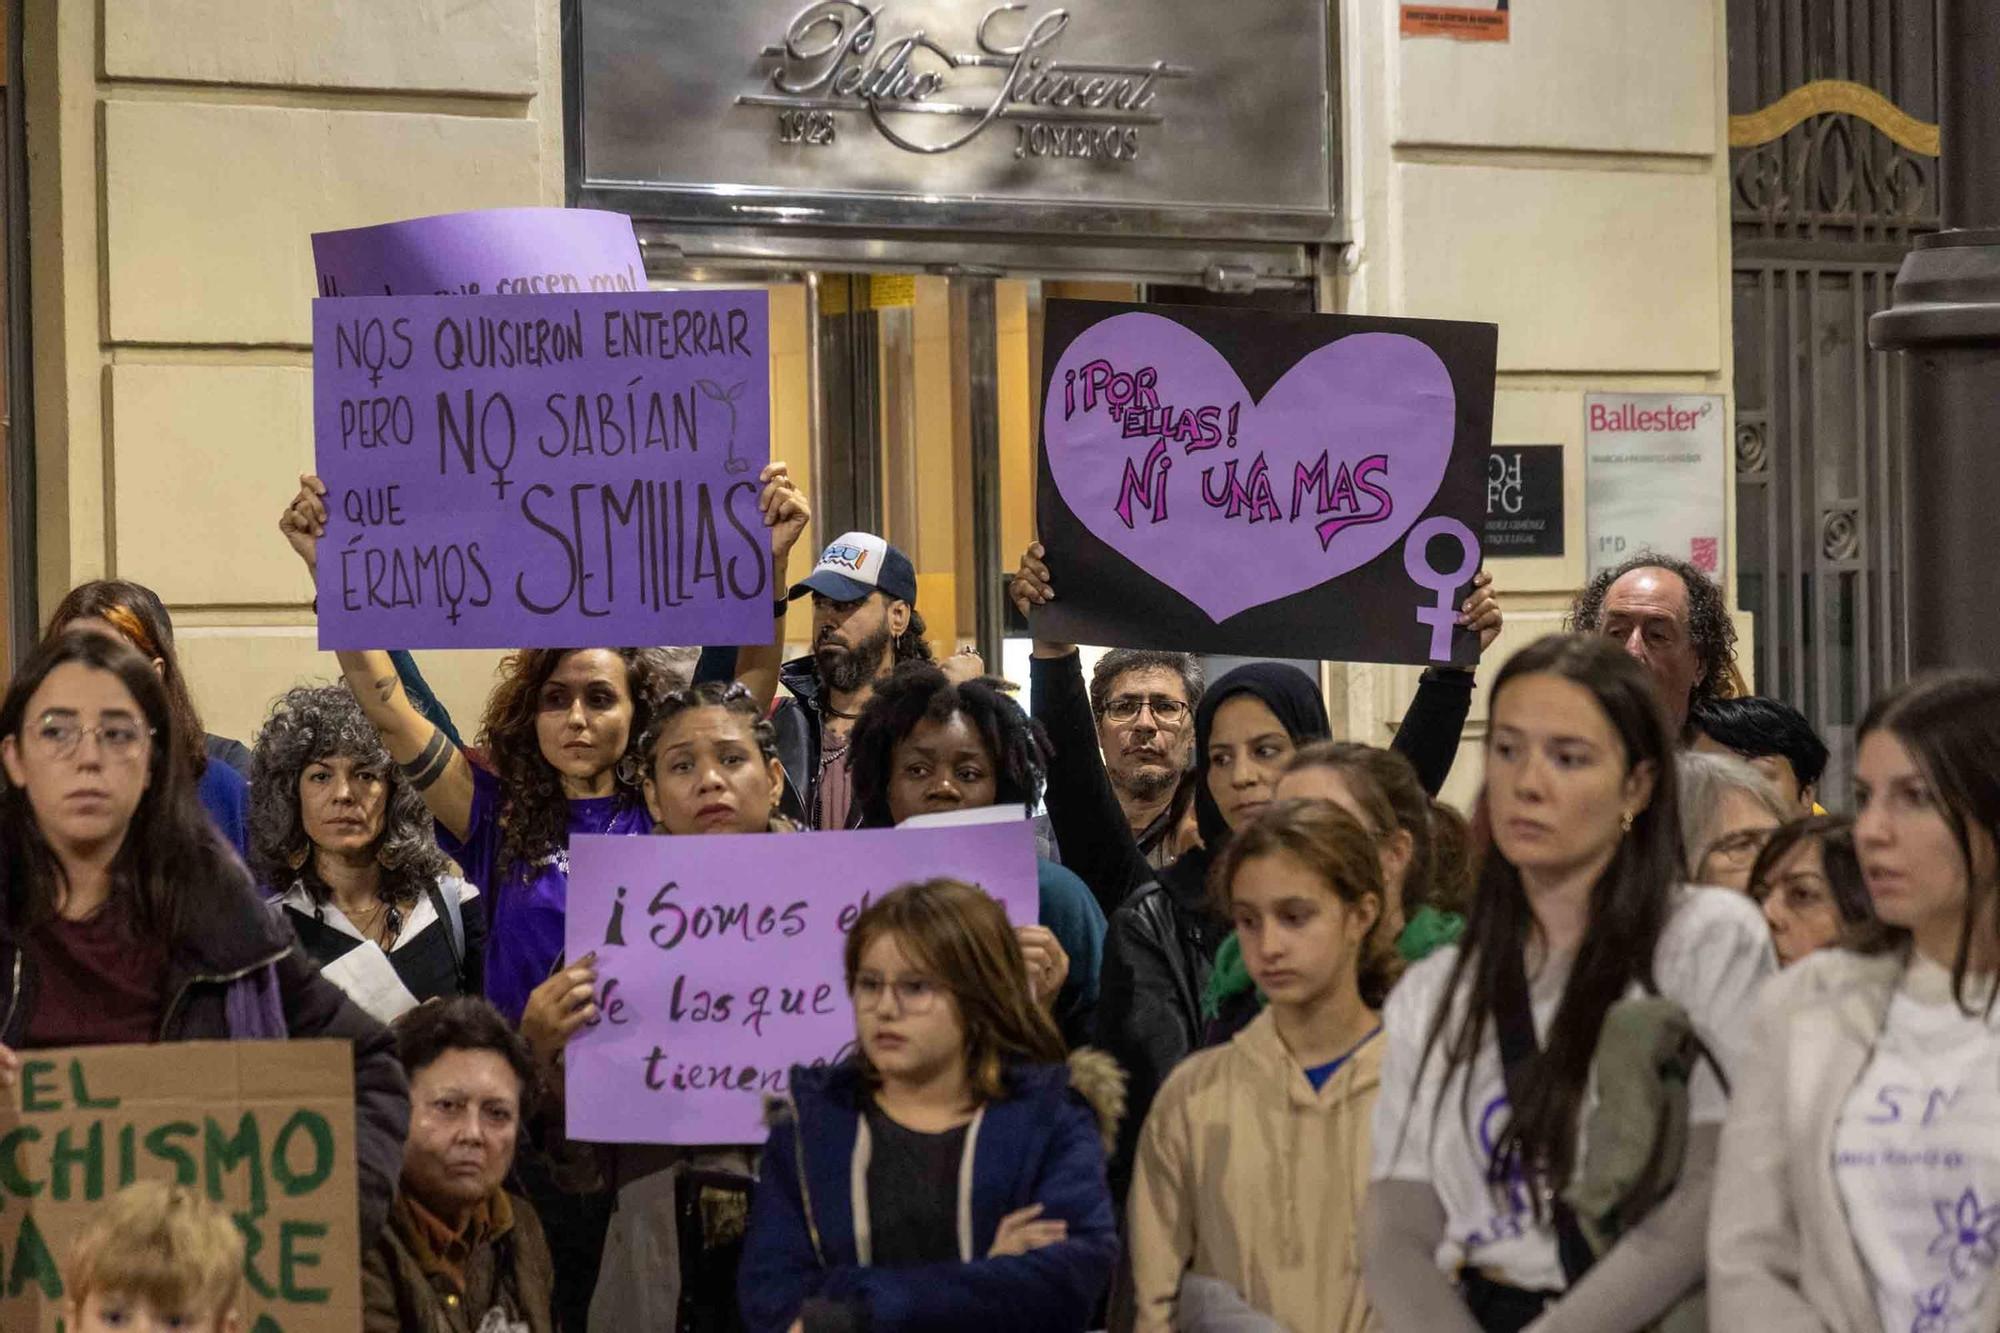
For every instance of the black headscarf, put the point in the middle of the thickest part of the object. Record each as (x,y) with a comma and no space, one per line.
(1295,699)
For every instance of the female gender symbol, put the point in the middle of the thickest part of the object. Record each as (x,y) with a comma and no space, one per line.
(1442,618)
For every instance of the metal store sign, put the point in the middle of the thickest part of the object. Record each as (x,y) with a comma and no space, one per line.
(1168,118)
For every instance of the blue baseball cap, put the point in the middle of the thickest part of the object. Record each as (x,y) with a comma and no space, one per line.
(855,564)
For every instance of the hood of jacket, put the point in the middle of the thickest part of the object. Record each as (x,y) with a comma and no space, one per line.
(1356,1081)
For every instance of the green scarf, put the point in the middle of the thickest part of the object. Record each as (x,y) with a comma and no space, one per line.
(1425,933)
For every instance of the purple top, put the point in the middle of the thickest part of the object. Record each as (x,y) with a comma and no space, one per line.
(525,910)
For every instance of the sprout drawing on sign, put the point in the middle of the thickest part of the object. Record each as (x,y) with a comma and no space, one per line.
(727,397)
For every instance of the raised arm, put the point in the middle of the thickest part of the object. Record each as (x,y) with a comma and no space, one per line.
(436,767)
(786,514)
(1097,843)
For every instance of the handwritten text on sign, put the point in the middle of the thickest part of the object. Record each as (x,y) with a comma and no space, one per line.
(542,471)
(501,251)
(1234,500)
(719,963)
(264,1129)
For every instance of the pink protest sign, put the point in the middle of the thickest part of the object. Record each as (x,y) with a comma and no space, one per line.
(719,963)
(1249,481)
(492,252)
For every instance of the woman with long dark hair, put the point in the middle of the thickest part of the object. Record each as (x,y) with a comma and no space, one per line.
(1864,1185)
(1808,881)
(123,916)
(1497,1045)
(218,768)
(342,840)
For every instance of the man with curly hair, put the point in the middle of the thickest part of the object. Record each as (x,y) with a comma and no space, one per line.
(1673,619)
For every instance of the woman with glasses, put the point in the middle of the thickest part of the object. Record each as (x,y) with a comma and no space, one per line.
(1728,811)
(950,1173)
(343,839)
(1809,884)
(123,916)
(217,768)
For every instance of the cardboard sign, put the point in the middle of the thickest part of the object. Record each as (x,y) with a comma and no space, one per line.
(1262,483)
(719,963)
(493,252)
(265,1129)
(1655,477)
(1524,500)
(543,471)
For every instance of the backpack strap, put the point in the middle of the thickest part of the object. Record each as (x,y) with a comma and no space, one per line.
(447,907)
(1514,1025)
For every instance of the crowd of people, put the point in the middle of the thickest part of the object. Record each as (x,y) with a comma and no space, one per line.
(1290,1044)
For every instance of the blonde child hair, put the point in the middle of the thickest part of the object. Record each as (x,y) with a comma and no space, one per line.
(165,1245)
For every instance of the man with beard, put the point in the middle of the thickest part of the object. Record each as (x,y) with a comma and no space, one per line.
(865,621)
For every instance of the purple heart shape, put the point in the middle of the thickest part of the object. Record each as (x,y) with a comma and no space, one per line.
(1353,443)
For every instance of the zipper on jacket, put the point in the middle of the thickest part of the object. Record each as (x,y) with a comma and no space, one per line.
(13,992)
(805,1187)
(199,979)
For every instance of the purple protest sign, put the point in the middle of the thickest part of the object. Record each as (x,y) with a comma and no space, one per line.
(1241,481)
(719,963)
(494,252)
(543,471)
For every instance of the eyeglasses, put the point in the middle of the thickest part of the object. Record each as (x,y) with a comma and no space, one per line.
(1167,712)
(915,996)
(1736,851)
(61,737)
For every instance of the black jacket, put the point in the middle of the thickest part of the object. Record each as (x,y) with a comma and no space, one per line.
(800,726)
(1162,939)
(235,936)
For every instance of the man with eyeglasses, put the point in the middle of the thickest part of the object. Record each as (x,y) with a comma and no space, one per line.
(1144,704)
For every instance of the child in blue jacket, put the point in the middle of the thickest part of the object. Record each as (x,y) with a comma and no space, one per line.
(949,1174)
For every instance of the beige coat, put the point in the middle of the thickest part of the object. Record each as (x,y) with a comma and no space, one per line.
(1246,1175)
(1780,1257)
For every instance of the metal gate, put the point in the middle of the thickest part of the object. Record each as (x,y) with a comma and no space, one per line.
(1833,172)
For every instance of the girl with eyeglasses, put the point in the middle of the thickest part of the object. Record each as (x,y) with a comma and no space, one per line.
(1863,1145)
(218,768)
(124,918)
(950,1173)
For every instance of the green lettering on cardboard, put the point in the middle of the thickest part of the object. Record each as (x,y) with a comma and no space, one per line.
(224,1154)
(79,1092)
(67,1156)
(128,1155)
(159,1144)
(12,1178)
(264,1324)
(37,1091)
(314,1126)
(253,1245)
(291,1259)
(33,1263)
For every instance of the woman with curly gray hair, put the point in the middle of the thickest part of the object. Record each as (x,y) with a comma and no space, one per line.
(344,840)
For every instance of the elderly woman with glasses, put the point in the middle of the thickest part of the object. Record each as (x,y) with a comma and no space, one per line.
(341,836)
(1728,812)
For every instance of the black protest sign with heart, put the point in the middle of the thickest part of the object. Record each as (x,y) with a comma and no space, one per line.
(1262,483)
